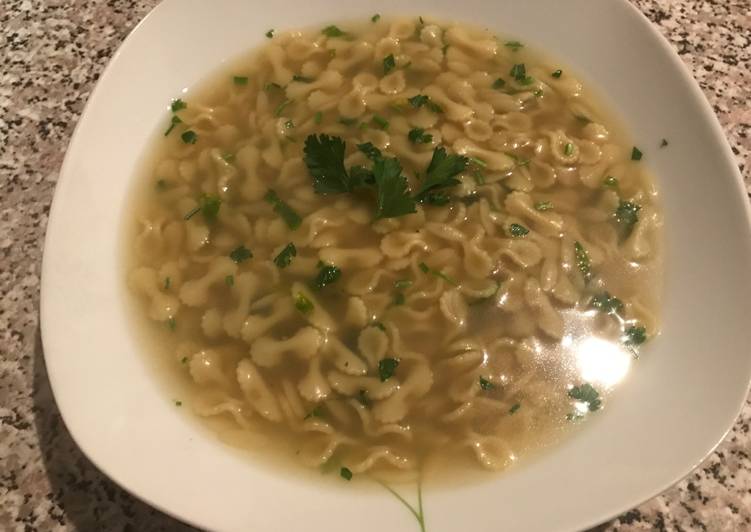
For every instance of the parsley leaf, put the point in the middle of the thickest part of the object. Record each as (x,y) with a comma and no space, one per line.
(497,84)
(375,18)
(270,34)
(635,335)
(302,79)
(421,100)
(663,143)
(427,269)
(178,105)
(441,172)
(557,74)
(519,73)
(333,31)
(391,189)
(582,261)
(436,198)
(240,253)
(514,408)
(326,275)
(418,136)
(543,206)
(486,385)
(240,80)
(380,122)
(389,63)
(324,157)
(607,303)
(517,230)
(386,368)
(229,280)
(303,304)
(636,154)
(360,176)
(586,394)
(284,258)
(370,151)
(514,45)
(610,182)
(345,473)
(626,216)
(189,137)
(288,214)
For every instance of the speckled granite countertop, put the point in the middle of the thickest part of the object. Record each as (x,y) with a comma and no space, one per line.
(52,52)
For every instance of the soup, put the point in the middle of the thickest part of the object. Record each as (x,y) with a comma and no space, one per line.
(395,247)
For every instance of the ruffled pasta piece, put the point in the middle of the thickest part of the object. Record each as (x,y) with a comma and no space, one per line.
(313,386)
(549,320)
(351,385)
(195,293)
(548,223)
(373,429)
(343,358)
(378,455)
(144,281)
(205,369)
(356,315)
(398,244)
(317,316)
(268,352)
(351,259)
(373,344)
(485,48)
(493,452)
(257,392)
(493,160)
(454,307)
(256,325)
(244,288)
(395,407)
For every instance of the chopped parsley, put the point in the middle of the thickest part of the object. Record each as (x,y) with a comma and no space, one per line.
(557,74)
(582,261)
(607,303)
(178,105)
(228,158)
(173,122)
(189,137)
(172,323)
(418,136)
(514,408)
(272,86)
(427,269)
(240,80)
(333,31)
(303,304)
(326,275)
(316,412)
(380,122)
(280,108)
(543,206)
(442,172)
(402,284)
(636,154)
(302,79)
(568,149)
(184,360)
(240,254)
(663,143)
(375,18)
(284,258)
(208,206)
(610,182)
(626,215)
(270,34)
(478,162)
(347,121)
(389,63)
(370,151)
(229,280)
(514,45)
(386,368)
(345,473)
(167,283)
(586,394)
(287,213)
(363,399)
(421,100)
(392,193)
(499,83)
(486,385)
(517,230)
(318,117)
(178,402)
(519,73)
(399,299)
(635,335)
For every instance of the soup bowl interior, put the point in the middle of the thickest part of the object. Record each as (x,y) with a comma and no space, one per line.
(676,405)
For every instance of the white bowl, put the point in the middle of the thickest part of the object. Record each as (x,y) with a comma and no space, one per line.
(678,403)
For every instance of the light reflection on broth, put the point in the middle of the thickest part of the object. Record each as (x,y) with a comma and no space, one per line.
(315,310)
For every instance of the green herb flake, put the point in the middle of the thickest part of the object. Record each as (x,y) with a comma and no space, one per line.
(389,63)
(240,254)
(363,399)
(270,34)
(192,212)
(172,323)
(347,121)
(378,325)
(392,192)
(519,73)
(302,79)
(586,394)
(610,182)
(418,136)
(402,284)
(386,368)
(399,299)
(636,154)
(515,46)
(568,149)
(486,385)
(375,18)
(271,86)
(184,360)
(240,80)
(427,269)
(316,412)
(285,256)
(478,162)
(345,473)
(663,143)
(517,230)
(370,151)
(178,105)
(209,207)
(167,283)
(178,403)
(626,215)
(173,122)
(441,172)
(478,177)
(557,74)
(289,124)
(326,275)
(229,280)
(421,100)
(437,199)
(228,158)
(635,335)
(380,122)
(607,303)
(333,31)
(287,213)
(161,184)
(303,304)
(582,261)
(499,83)
(543,206)
(280,108)
(318,117)
(189,137)
(514,408)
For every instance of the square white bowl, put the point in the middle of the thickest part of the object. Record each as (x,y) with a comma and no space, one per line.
(679,402)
